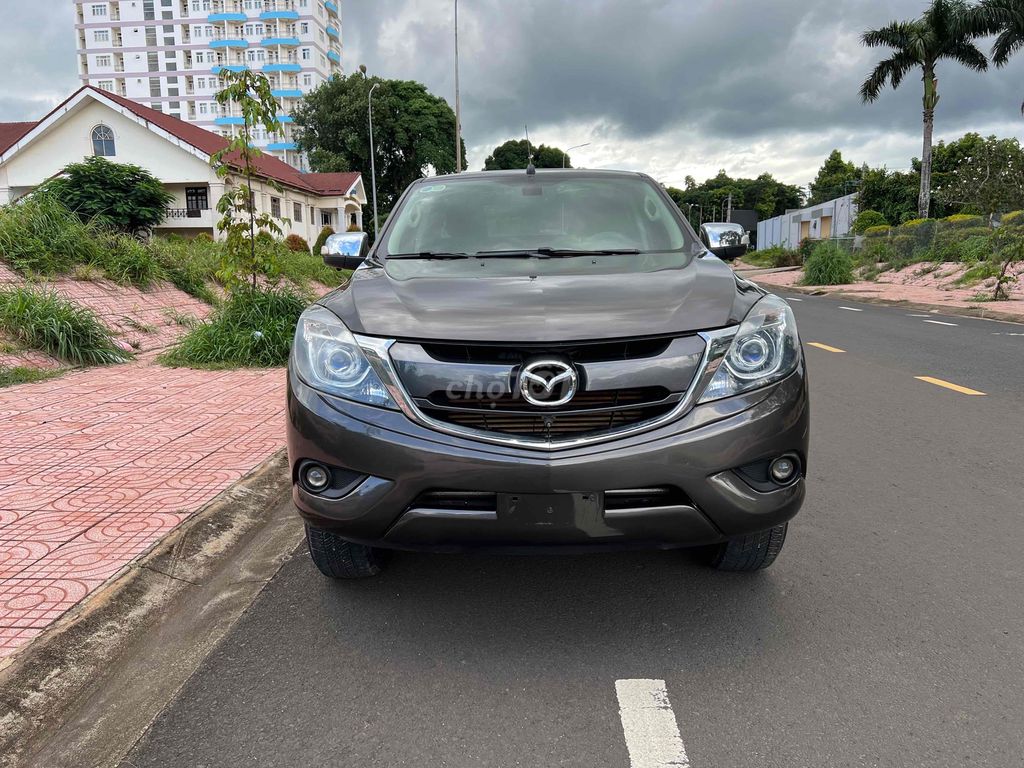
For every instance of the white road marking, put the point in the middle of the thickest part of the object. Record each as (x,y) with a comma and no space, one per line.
(649,724)
(939,322)
(794,299)
(1000,333)
(852,309)
(918,315)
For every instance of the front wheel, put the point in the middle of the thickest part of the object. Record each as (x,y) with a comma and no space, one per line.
(750,552)
(340,559)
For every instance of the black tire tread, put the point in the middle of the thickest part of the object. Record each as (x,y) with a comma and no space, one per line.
(340,559)
(750,552)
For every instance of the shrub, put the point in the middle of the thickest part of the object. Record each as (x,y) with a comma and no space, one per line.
(252,328)
(805,248)
(964,220)
(204,237)
(868,219)
(1013,219)
(828,264)
(119,195)
(296,243)
(971,250)
(778,256)
(882,230)
(41,235)
(45,321)
(190,265)
(321,239)
(903,246)
(127,261)
(914,223)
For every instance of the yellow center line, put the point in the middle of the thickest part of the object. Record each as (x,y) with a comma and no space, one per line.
(826,347)
(948,385)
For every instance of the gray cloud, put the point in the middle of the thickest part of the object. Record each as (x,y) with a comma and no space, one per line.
(671,87)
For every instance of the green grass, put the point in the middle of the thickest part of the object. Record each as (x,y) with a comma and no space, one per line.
(41,236)
(252,328)
(45,321)
(21,375)
(828,264)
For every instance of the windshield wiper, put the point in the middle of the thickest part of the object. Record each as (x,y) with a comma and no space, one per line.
(556,253)
(430,255)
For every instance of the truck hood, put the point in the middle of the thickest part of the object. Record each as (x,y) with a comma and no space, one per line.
(702,295)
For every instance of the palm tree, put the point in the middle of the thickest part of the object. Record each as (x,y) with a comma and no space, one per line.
(1005,19)
(942,32)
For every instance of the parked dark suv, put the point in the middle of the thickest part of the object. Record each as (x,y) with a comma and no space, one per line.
(543,360)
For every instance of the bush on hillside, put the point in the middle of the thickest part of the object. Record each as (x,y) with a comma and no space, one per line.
(964,220)
(867,219)
(204,237)
(882,230)
(252,328)
(40,235)
(1012,219)
(321,239)
(45,321)
(777,256)
(121,196)
(296,243)
(828,264)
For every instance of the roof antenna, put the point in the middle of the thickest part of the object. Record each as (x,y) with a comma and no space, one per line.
(530,170)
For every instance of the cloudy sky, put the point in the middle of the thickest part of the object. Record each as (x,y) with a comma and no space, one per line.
(670,87)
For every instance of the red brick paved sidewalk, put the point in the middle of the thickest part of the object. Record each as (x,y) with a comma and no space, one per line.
(99,464)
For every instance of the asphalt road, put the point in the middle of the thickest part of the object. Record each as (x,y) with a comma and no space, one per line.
(890,632)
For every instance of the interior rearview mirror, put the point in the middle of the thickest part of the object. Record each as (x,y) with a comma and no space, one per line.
(346,250)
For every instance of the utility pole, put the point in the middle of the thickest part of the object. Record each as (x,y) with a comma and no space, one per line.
(728,216)
(458,104)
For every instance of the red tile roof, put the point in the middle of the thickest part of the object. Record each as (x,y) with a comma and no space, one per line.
(11,132)
(206,142)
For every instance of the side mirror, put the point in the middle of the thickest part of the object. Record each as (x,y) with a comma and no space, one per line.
(346,250)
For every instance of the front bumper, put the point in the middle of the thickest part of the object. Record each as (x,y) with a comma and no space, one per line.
(402,461)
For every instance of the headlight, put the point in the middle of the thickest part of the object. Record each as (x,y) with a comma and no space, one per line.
(328,358)
(765,349)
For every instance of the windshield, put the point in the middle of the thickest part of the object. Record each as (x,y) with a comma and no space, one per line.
(558,213)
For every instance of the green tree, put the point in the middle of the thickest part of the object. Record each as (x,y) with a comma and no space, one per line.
(514,154)
(413,131)
(990,180)
(894,194)
(942,32)
(764,194)
(243,259)
(835,178)
(1005,19)
(122,196)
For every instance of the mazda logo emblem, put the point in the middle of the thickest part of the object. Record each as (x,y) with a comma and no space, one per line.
(548,383)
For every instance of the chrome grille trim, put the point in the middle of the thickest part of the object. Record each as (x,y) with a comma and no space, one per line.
(376,350)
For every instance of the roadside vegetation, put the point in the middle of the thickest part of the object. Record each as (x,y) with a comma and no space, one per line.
(44,321)
(19,374)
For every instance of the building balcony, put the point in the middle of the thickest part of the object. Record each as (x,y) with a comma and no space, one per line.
(331,7)
(229,68)
(333,32)
(285,119)
(278,67)
(213,17)
(229,120)
(286,93)
(290,41)
(180,218)
(287,15)
(334,56)
(281,146)
(229,43)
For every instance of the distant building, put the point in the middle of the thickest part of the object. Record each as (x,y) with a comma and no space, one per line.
(92,122)
(816,222)
(167,54)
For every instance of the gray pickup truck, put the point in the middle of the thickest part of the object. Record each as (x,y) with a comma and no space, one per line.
(543,360)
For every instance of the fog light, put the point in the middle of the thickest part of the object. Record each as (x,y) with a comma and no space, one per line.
(783,469)
(316,477)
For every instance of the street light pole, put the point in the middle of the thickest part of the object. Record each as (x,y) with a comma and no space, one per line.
(458,103)
(570,149)
(373,164)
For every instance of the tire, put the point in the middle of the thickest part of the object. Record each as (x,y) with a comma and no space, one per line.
(340,559)
(751,552)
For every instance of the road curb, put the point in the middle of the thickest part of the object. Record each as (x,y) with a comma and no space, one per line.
(982,311)
(81,692)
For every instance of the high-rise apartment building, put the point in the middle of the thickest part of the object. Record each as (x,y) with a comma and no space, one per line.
(167,54)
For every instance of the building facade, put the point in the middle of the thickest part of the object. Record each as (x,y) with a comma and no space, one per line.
(816,222)
(167,55)
(95,123)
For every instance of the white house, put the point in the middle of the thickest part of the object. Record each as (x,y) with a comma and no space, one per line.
(94,122)
(816,222)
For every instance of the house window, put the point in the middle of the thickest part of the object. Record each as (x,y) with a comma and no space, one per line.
(304,27)
(103,61)
(105,85)
(305,54)
(297,212)
(325,218)
(101,35)
(196,200)
(275,207)
(307,79)
(102,141)
(99,10)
